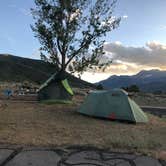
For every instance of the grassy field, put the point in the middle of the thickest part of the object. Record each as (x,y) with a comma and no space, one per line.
(60,125)
(150,99)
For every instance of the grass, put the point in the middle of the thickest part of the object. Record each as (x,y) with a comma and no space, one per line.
(59,124)
(57,102)
(150,100)
(164,118)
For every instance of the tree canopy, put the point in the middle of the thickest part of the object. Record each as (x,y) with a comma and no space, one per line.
(72,32)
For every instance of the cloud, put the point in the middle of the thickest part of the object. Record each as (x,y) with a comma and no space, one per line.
(163,27)
(154,45)
(118,43)
(125,16)
(125,68)
(94,77)
(129,60)
(151,55)
(25,12)
(22,10)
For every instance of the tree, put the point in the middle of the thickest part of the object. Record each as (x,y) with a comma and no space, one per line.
(132,88)
(72,32)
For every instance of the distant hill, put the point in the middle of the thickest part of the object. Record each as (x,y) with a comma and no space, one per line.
(147,81)
(13,68)
(17,69)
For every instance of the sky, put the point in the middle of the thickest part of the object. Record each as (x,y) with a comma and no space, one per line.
(139,42)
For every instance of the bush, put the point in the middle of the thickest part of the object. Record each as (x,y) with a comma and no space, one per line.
(132,88)
(99,87)
(158,92)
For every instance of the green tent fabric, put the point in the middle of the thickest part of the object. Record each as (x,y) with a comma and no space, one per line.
(45,84)
(55,89)
(67,86)
(112,104)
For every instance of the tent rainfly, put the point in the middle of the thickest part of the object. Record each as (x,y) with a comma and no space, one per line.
(112,104)
(55,89)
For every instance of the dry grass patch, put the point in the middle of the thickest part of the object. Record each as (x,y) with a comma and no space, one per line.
(47,125)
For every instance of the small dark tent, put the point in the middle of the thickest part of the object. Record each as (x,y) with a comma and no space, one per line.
(112,104)
(55,89)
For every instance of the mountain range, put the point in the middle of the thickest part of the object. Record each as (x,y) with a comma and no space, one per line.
(147,81)
(18,69)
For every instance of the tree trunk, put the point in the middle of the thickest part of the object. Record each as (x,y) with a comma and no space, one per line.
(61,75)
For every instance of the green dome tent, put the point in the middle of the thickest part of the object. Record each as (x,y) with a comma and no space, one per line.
(112,104)
(55,89)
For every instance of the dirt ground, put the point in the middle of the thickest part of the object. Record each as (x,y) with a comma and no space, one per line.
(27,123)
